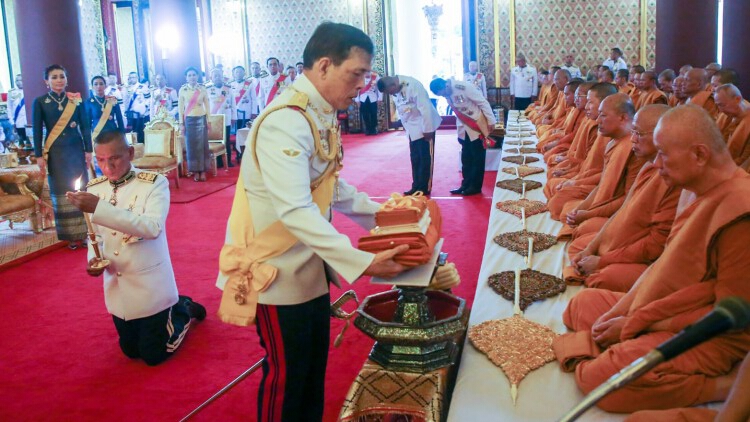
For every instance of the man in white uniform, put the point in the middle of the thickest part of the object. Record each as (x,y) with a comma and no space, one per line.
(368,99)
(129,210)
(574,71)
(137,99)
(272,84)
(474,76)
(281,177)
(523,84)
(163,96)
(243,96)
(474,121)
(221,101)
(420,120)
(615,61)
(17,111)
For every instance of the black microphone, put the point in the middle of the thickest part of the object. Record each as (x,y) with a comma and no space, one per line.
(731,313)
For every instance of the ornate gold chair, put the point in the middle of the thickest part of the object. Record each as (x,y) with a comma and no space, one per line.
(216,139)
(162,147)
(17,202)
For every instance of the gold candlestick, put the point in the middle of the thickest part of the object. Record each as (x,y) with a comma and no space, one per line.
(100,262)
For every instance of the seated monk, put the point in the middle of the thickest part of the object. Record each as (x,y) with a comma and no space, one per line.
(606,76)
(561,136)
(650,94)
(559,111)
(729,100)
(624,82)
(634,237)
(706,259)
(736,408)
(581,180)
(636,74)
(566,164)
(618,174)
(551,98)
(543,92)
(665,82)
(679,97)
(694,88)
(554,102)
(722,77)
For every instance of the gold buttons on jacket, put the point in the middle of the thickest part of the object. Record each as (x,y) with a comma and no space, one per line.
(119,274)
(116,253)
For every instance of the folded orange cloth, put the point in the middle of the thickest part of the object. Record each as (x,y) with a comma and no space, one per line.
(401,210)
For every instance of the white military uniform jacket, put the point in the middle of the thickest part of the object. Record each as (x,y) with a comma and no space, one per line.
(140,281)
(575,72)
(137,99)
(266,85)
(221,101)
(243,101)
(478,80)
(15,96)
(255,94)
(280,189)
(469,101)
(372,92)
(169,96)
(417,114)
(614,66)
(523,81)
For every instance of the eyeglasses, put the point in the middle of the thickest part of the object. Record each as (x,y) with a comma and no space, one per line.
(640,134)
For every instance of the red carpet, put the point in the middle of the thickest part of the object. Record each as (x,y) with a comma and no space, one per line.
(191,190)
(60,359)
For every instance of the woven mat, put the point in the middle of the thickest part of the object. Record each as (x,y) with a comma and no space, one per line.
(518,242)
(516,185)
(514,207)
(519,159)
(535,286)
(523,171)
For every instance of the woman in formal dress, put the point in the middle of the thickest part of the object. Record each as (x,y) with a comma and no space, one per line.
(104,112)
(194,109)
(63,151)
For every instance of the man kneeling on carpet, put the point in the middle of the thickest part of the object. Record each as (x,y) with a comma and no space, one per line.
(128,215)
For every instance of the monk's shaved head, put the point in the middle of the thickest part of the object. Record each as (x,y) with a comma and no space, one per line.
(685,69)
(602,90)
(643,130)
(726,76)
(712,68)
(620,103)
(581,93)
(695,81)
(730,89)
(692,152)
(728,99)
(561,78)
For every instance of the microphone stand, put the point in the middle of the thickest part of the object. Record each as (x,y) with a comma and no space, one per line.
(639,367)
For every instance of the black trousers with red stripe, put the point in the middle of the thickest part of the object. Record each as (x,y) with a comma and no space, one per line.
(295,338)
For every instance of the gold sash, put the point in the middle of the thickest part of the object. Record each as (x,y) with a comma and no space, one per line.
(65,117)
(243,261)
(103,119)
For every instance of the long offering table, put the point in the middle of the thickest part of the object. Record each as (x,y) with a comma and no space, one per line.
(482,391)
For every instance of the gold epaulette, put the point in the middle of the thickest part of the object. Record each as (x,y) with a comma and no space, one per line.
(96,181)
(147,176)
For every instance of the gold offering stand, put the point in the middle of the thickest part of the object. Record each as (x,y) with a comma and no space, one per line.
(415,330)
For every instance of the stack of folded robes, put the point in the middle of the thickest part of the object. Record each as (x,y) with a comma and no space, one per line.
(405,220)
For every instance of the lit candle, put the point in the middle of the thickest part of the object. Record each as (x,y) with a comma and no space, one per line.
(517,295)
(524,160)
(517,174)
(531,252)
(523,190)
(523,218)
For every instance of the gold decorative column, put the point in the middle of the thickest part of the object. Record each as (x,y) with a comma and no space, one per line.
(644,33)
(512,18)
(495,13)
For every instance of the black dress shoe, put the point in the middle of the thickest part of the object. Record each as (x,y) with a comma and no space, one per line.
(195,309)
(469,192)
(410,192)
(457,191)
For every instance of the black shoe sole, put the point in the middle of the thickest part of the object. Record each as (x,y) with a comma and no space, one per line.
(195,309)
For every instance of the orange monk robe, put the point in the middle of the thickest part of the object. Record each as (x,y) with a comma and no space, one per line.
(558,102)
(738,141)
(650,97)
(633,238)
(621,167)
(705,99)
(547,105)
(674,101)
(706,259)
(543,90)
(629,88)
(726,125)
(583,140)
(557,115)
(560,128)
(586,179)
(682,414)
(564,137)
